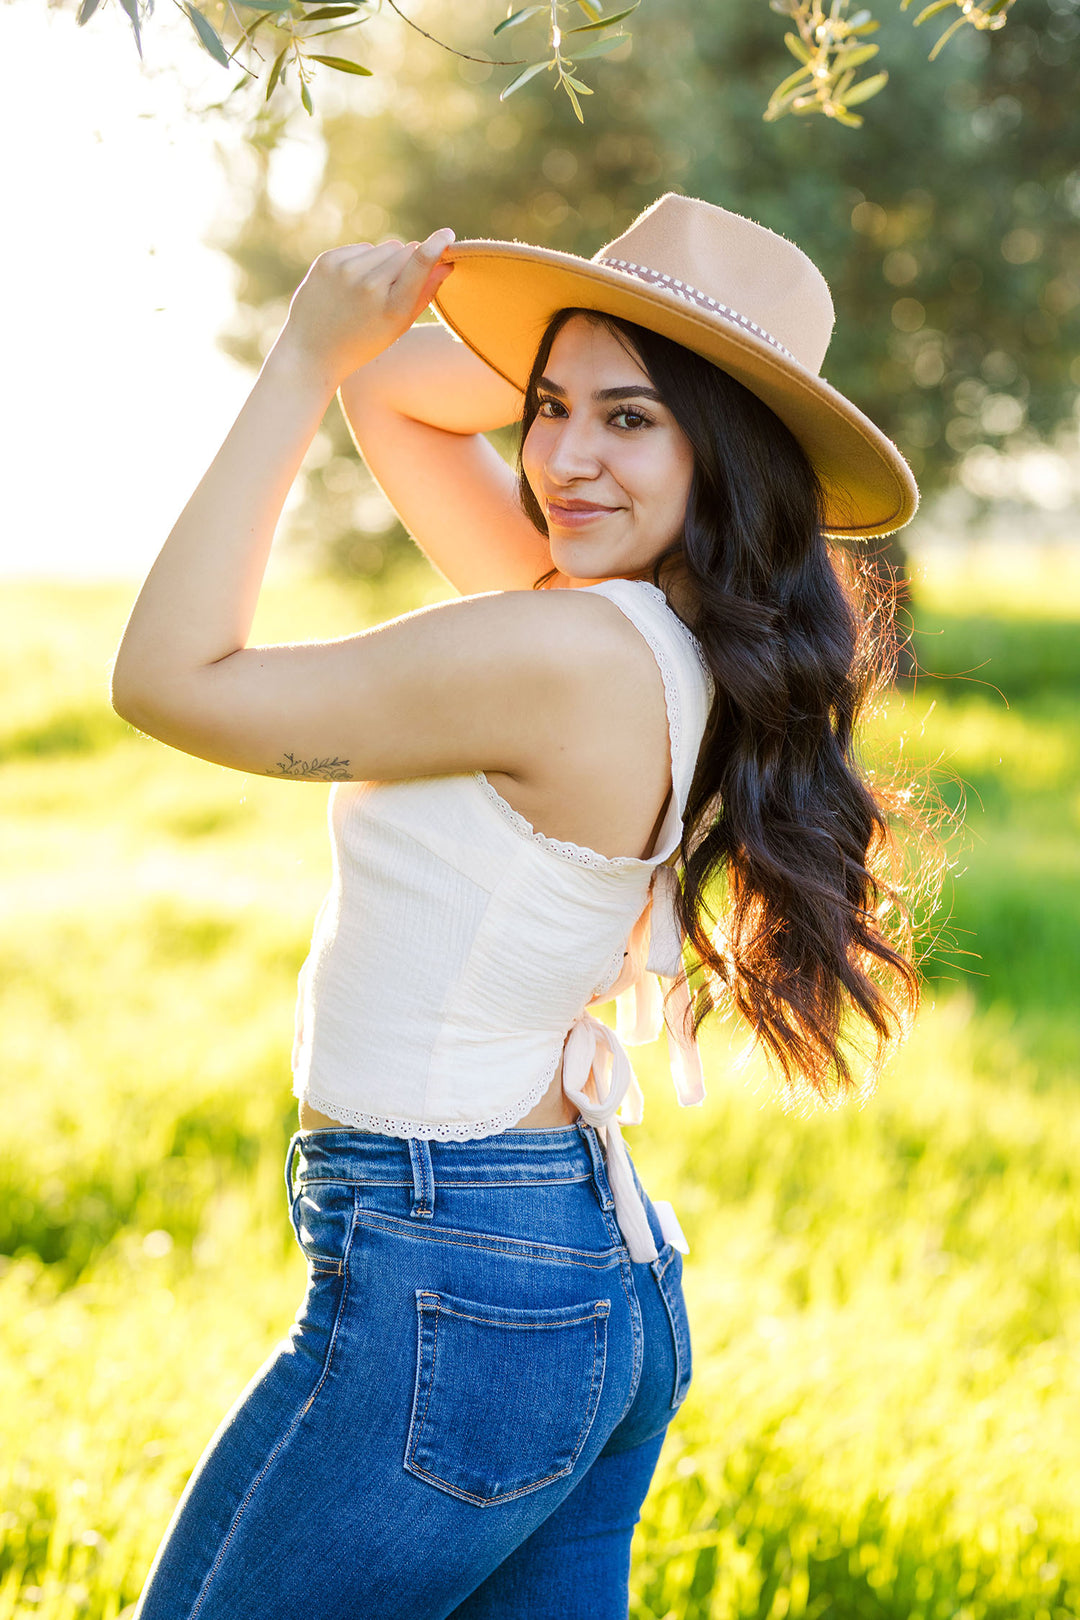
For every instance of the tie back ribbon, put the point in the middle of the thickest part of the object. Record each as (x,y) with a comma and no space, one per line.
(593,1049)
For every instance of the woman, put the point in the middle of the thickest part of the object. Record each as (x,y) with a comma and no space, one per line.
(470,1406)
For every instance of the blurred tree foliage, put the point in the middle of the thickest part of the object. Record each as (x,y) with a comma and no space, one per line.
(828,42)
(949,231)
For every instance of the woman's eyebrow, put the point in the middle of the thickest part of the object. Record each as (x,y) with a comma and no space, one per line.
(606,393)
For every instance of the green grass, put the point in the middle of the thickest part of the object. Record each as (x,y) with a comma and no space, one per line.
(885,1299)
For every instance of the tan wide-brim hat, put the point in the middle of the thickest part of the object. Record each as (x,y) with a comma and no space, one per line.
(734,292)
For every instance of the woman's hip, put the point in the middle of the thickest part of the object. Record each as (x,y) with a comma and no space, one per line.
(472,1338)
(497,1271)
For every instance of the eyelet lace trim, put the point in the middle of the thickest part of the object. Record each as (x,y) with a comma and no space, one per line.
(685,628)
(581,853)
(438,1130)
(611,972)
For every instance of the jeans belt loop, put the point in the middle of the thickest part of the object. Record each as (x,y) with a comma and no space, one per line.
(290,1193)
(423,1178)
(290,1160)
(599,1169)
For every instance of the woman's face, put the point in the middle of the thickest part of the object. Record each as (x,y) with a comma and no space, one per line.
(606,460)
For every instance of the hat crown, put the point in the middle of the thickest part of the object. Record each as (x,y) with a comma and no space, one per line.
(756,275)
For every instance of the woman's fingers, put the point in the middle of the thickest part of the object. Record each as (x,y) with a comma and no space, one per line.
(389,261)
(421,274)
(437,243)
(385,256)
(429,287)
(424,256)
(359,297)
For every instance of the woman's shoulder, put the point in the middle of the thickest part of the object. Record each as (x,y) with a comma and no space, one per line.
(597,645)
(575,624)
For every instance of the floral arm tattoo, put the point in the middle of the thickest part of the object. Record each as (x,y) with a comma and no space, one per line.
(311,770)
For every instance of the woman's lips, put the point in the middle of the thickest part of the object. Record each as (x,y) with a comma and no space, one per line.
(574,517)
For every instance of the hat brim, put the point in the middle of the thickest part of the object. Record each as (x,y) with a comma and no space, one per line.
(502,295)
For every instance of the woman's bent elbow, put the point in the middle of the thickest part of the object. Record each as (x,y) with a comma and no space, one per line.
(125,699)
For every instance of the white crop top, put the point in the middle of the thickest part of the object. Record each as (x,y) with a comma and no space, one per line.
(457,951)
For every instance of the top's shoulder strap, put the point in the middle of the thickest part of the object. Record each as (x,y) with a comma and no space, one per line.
(688,688)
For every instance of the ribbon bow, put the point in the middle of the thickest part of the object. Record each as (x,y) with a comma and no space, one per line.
(656,944)
(592,1048)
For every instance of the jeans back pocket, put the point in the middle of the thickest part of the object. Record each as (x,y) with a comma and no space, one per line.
(504,1397)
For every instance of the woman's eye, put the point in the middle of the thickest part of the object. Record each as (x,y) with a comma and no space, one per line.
(639,420)
(626,418)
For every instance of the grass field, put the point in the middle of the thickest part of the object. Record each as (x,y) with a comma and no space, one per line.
(885,1415)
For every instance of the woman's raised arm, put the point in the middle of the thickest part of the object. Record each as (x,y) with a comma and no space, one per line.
(483,683)
(417,414)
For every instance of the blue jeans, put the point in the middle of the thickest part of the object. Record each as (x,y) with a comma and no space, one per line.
(467,1413)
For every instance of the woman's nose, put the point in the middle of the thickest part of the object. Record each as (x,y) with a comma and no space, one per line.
(572,455)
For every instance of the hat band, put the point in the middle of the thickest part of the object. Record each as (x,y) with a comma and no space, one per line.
(683,289)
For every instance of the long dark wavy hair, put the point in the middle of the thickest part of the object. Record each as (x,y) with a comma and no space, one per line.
(782,830)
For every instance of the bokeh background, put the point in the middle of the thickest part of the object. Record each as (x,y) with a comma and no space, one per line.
(885,1415)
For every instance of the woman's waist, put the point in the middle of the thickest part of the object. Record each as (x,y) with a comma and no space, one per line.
(344,1153)
(553,1110)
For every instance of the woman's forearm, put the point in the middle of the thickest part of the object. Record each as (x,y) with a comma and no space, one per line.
(198,601)
(430,376)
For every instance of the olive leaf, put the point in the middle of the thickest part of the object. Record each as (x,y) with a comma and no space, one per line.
(208,34)
(599,47)
(276,71)
(342,63)
(523,77)
(518,17)
(603,22)
(828,42)
(131,7)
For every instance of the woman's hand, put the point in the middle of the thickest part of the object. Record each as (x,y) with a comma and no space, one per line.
(356,300)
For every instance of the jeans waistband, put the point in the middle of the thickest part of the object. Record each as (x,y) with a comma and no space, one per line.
(521,1157)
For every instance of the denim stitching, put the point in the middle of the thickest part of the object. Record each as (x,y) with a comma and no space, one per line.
(431,1377)
(410,1443)
(523,1490)
(294,1148)
(598,1387)
(444,1181)
(600,1308)
(322,1264)
(660,1264)
(595,1390)
(598,1176)
(290,1431)
(626,1278)
(423,1180)
(680,1338)
(515,1248)
(490,1501)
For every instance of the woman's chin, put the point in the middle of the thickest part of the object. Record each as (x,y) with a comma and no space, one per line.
(584,562)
